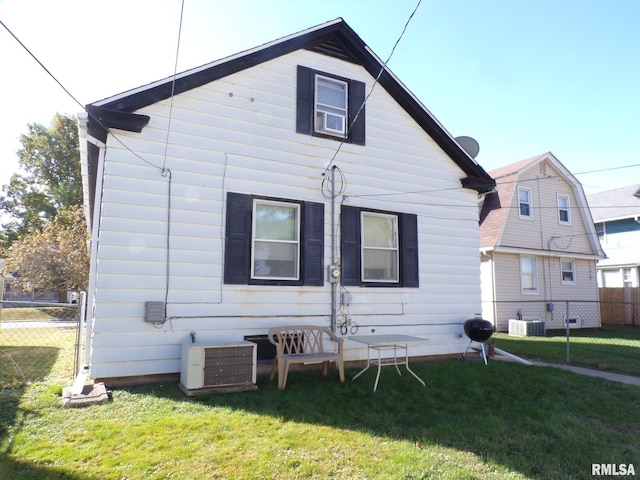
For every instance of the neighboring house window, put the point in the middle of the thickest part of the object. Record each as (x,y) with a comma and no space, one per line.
(524,203)
(564,216)
(379,248)
(273,241)
(568,271)
(601,231)
(330,106)
(529,274)
(627,277)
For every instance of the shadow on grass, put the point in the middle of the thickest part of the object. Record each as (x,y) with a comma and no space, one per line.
(544,423)
(19,366)
(17,471)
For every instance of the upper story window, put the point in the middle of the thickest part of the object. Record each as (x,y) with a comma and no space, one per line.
(601,231)
(273,241)
(564,210)
(529,274)
(568,270)
(330,106)
(525,209)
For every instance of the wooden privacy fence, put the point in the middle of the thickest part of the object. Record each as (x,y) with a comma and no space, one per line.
(620,306)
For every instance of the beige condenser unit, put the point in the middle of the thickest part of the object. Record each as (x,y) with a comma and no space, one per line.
(211,368)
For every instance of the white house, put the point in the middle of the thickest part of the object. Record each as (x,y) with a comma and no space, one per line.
(539,247)
(617,216)
(299,182)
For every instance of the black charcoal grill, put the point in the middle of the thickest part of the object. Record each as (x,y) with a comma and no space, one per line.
(478,330)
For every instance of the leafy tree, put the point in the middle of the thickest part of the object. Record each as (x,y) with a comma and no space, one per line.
(50,178)
(55,258)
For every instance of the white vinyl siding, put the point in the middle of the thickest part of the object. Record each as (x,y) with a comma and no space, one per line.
(246,143)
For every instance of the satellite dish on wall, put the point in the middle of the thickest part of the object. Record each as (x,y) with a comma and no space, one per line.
(469,145)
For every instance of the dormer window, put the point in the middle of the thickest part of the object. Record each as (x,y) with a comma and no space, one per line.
(330,106)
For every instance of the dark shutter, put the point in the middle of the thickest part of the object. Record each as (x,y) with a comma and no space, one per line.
(304,100)
(350,245)
(237,249)
(356,100)
(409,268)
(313,244)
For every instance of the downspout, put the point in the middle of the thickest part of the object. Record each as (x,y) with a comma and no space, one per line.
(95,230)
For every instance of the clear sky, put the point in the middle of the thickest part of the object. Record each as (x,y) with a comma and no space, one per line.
(522,77)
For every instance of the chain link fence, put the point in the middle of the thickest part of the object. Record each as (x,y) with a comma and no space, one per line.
(39,342)
(570,332)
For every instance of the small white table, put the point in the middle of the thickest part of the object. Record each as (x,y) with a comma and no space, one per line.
(393,343)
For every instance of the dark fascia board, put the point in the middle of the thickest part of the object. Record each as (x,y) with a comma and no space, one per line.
(354,49)
(102,119)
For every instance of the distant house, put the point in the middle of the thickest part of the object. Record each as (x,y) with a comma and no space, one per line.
(266,192)
(538,246)
(616,214)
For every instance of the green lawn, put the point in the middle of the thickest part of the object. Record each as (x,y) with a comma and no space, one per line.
(39,313)
(501,421)
(616,348)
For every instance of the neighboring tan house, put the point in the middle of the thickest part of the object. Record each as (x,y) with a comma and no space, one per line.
(616,214)
(267,193)
(538,247)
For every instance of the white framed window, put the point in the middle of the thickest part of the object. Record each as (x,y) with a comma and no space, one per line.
(380,252)
(529,275)
(564,210)
(331,106)
(525,209)
(568,271)
(275,252)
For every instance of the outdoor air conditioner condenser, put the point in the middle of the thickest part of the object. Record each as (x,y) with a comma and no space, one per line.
(218,368)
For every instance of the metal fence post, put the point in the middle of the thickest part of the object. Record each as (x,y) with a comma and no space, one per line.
(566,326)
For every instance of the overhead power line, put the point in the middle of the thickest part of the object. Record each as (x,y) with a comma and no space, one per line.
(42,65)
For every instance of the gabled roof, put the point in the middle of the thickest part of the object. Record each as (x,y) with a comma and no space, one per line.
(616,204)
(335,39)
(495,209)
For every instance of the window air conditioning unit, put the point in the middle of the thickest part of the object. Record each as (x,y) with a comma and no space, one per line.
(218,368)
(528,327)
(333,123)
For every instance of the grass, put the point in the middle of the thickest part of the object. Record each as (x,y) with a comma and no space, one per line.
(502,421)
(39,313)
(615,348)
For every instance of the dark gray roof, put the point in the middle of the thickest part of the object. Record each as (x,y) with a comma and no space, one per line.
(615,204)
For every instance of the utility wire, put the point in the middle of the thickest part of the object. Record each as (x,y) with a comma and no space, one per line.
(97,120)
(173,88)
(364,102)
(41,64)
